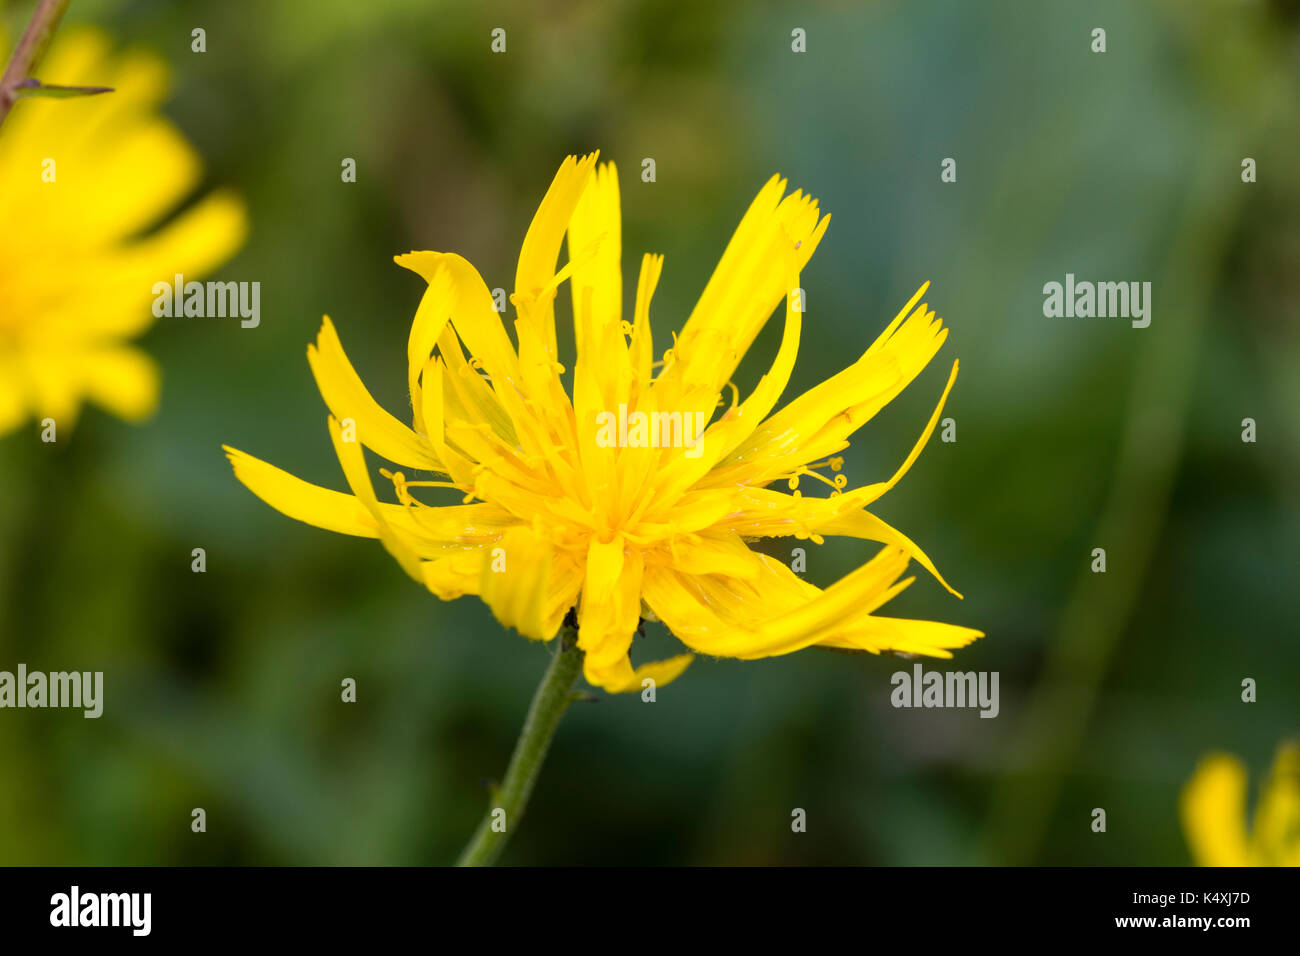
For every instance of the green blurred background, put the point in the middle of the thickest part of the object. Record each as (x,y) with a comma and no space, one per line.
(222,689)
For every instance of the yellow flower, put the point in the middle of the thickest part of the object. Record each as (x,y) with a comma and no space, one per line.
(1213,808)
(555,514)
(84,181)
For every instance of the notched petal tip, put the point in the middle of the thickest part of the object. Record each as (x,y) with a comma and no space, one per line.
(423,263)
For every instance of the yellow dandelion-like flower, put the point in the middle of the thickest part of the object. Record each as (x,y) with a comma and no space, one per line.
(1213,809)
(85,180)
(560,508)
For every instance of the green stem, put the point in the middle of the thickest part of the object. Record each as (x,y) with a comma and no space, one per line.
(29,51)
(552,699)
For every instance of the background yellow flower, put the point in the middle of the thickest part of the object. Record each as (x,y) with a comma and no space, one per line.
(86,183)
(1213,807)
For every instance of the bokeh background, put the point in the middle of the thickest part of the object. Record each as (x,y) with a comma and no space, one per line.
(222,688)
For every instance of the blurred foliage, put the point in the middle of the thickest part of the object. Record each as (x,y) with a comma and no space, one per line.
(222,689)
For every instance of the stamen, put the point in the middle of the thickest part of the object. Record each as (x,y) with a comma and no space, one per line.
(836,463)
(735,397)
(473,366)
(475,493)
(401,486)
(822,478)
(670,355)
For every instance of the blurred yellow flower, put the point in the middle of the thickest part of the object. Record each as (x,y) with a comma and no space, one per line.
(84,180)
(1213,809)
(568,502)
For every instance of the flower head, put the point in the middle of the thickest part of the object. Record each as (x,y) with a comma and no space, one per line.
(1213,808)
(85,180)
(556,512)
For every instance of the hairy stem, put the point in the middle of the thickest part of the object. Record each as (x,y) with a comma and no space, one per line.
(552,699)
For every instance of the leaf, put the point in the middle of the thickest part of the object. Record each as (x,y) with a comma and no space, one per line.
(35,88)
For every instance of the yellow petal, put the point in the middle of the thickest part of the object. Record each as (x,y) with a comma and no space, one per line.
(1213,810)
(13,396)
(818,422)
(711,552)
(762,512)
(431,317)
(541,248)
(608,618)
(876,634)
(1276,835)
(724,435)
(641,347)
(774,241)
(474,317)
(353,460)
(301,500)
(527,584)
(347,398)
(597,284)
(124,380)
(621,678)
(611,605)
(773,613)
(455,575)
